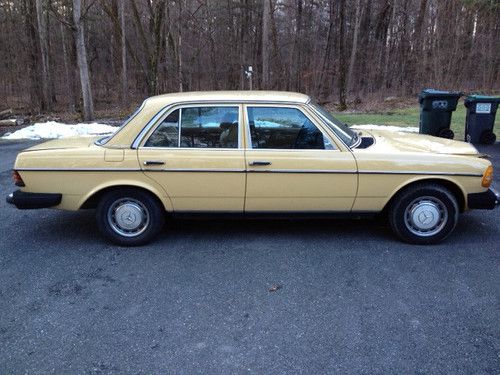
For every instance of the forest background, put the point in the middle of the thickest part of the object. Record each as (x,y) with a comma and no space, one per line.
(83,56)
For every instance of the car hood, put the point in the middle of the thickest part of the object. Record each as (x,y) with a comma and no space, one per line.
(64,143)
(412,142)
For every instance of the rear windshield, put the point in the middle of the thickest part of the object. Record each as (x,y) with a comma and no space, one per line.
(104,140)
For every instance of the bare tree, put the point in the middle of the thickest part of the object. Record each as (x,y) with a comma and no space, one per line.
(44,53)
(123,41)
(81,54)
(341,52)
(266,10)
(354,49)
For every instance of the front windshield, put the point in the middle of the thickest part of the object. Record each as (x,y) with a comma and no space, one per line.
(348,136)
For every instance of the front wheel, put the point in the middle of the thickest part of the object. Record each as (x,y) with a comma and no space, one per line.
(424,214)
(129,217)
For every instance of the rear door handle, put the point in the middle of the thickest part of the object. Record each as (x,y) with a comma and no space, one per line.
(259,162)
(154,162)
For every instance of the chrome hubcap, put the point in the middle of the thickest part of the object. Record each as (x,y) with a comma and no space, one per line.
(128,217)
(426,216)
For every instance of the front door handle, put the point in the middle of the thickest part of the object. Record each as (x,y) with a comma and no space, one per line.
(154,162)
(259,162)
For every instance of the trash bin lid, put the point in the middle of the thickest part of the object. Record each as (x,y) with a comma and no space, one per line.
(438,94)
(482,98)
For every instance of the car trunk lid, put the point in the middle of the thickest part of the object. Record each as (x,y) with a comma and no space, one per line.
(64,143)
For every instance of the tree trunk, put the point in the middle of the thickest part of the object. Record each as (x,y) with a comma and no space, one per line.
(354,49)
(44,52)
(342,73)
(81,55)
(35,89)
(67,76)
(266,10)
(123,42)
(180,74)
(326,56)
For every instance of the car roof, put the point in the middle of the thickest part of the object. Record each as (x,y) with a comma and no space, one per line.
(154,104)
(230,96)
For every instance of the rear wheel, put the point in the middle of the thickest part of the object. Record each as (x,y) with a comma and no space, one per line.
(424,214)
(129,217)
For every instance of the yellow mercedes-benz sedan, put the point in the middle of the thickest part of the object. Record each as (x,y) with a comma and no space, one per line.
(254,152)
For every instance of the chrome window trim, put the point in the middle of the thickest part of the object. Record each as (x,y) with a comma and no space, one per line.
(284,105)
(304,150)
(147,127)
(176,107)
(175,149)
(139,138)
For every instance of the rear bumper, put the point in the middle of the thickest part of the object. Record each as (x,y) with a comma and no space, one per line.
(25,201)
(484,201)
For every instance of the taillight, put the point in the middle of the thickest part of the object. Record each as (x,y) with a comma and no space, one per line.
(17,179)
(487,177)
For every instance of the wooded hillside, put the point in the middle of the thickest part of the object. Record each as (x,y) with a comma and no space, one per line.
(80,54)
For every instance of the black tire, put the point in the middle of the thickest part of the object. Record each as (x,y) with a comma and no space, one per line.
(423,213)
(446,133)
(129,217)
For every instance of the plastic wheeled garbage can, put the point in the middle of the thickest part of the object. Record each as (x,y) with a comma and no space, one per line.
(436,108)
(480,118)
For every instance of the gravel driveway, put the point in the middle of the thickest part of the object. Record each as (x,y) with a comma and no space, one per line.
(229,297)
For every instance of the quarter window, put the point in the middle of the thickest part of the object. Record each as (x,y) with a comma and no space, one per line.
(284,128)
(200,127)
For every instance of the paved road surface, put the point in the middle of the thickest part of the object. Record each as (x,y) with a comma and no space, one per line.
(351,298)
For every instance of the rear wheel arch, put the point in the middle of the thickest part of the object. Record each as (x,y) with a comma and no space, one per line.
(92,200)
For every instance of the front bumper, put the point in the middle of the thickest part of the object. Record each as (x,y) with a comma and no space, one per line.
(484,201)
(25,201)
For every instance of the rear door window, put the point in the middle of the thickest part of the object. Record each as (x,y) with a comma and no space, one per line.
(198,127)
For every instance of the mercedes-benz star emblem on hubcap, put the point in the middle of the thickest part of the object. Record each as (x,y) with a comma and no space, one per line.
(425,217)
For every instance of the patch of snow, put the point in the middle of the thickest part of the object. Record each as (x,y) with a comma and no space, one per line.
(53,129)
(408,129)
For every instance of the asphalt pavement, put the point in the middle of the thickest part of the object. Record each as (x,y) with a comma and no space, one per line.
(237,296)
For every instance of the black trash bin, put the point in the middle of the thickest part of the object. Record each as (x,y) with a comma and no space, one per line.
(435,112)
(480,118)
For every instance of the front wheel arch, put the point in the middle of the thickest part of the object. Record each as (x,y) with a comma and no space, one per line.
(447,184)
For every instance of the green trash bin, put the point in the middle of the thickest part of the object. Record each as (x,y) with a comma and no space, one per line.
(436,108)
(480,118)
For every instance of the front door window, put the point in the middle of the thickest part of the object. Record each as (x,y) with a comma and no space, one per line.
(284,128)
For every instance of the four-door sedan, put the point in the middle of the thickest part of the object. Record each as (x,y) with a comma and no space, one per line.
(253,152)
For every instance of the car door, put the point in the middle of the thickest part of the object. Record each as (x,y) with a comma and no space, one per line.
(293,165)
(194,153)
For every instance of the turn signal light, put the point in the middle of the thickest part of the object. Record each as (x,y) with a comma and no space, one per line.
(487,177)
(18,181)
